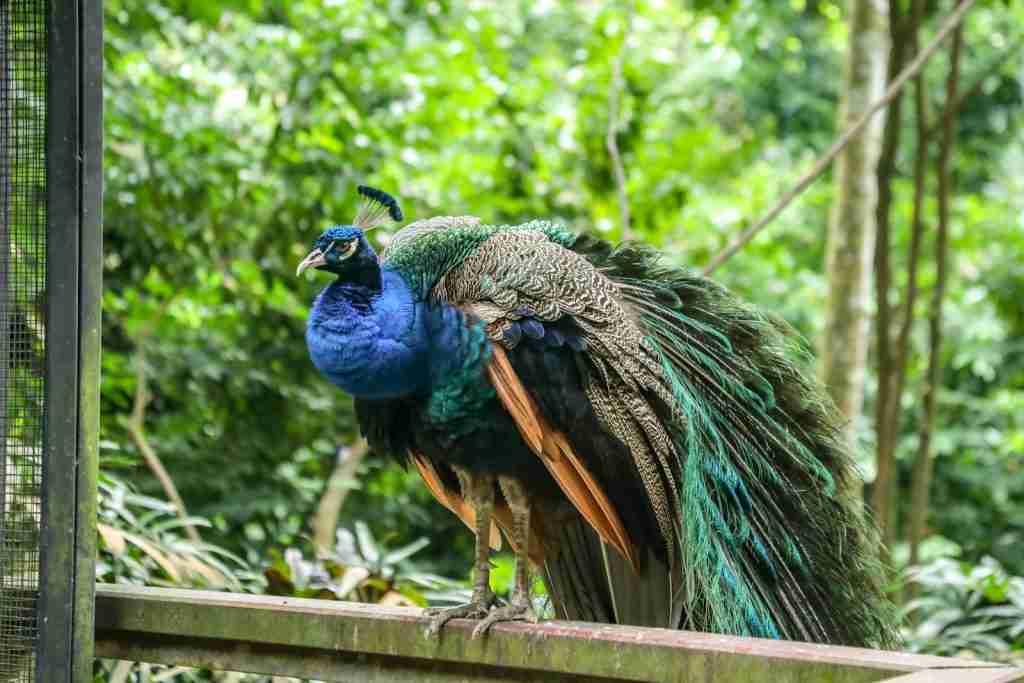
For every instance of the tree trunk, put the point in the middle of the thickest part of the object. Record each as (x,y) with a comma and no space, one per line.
(881,496)
(922,472)
(889,427)
(851,231)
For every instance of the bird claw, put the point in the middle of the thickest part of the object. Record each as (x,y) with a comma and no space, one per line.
(517,611)
(476,608)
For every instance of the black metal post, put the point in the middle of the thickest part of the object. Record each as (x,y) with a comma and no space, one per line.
(73,272)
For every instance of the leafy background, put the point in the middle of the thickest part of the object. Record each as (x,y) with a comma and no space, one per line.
(237,129)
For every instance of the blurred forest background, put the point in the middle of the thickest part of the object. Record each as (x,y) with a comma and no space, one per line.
(236,130)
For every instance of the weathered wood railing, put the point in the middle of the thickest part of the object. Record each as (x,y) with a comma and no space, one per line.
(342,641)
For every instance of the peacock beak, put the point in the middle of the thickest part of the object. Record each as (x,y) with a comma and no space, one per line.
(314,259)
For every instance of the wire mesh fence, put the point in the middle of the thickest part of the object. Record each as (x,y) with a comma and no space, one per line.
(23,204)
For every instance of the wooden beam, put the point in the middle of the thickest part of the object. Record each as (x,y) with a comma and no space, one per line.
(351,641)
(996,675)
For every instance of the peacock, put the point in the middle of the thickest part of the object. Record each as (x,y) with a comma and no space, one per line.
(653,446)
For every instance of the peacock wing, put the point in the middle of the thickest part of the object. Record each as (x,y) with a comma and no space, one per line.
(529,289)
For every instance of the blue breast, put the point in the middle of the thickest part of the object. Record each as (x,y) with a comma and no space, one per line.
(370,345)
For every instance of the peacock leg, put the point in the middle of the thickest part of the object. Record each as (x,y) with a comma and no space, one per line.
(520,607)
(478,490)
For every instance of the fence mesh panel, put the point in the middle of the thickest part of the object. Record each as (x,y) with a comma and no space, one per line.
(23,73)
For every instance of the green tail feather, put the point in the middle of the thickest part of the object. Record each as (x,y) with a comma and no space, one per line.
(771,544)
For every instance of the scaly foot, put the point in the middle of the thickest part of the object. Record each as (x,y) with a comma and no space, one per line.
(476,608)
(519,610)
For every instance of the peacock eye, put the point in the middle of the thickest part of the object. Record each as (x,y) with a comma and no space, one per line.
(344,249)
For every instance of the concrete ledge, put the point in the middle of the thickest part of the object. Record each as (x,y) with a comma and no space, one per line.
(352,641)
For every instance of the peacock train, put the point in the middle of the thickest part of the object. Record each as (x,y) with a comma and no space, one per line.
(651,445)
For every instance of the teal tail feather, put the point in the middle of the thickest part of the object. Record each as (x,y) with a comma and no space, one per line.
(772,542)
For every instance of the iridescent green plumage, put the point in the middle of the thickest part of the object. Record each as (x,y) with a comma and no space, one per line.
(464,389)
(768,539)
(705,407)
(426,250)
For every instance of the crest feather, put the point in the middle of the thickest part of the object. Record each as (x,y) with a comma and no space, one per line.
(377,205)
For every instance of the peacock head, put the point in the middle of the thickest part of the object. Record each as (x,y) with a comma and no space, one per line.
(344,249)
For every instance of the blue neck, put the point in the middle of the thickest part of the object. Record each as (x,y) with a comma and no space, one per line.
(378,343)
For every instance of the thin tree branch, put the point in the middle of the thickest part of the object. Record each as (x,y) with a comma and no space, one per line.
(136,423)
(325,520)
(137,431)
(819,167)
(615,90)
(921,478)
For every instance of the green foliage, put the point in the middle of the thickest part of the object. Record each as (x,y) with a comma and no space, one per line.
(237,129)
(142,541)
(967,609)
(360,568)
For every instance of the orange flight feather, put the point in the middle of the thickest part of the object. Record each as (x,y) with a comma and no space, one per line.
(558,456)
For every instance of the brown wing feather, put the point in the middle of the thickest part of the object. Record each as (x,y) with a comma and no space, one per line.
(451,500)
(557,455)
